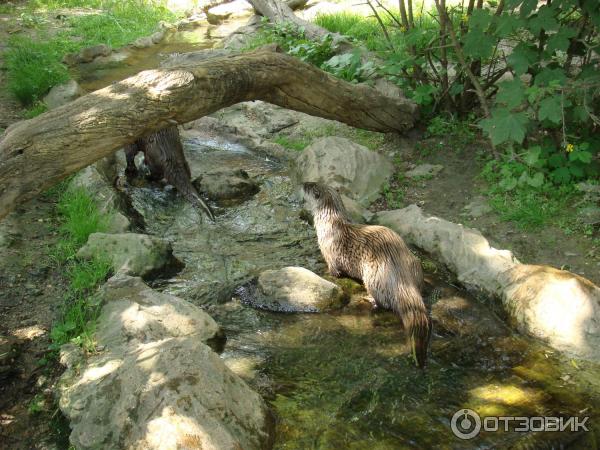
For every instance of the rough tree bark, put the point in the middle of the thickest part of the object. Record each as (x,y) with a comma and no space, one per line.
(37,153)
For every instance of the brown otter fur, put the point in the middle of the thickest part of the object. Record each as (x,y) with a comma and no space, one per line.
(376,255)
(163,155)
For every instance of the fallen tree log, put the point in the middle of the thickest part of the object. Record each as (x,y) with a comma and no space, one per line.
(35,154)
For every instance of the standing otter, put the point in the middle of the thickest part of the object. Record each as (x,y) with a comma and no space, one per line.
(163,154)
(376,255)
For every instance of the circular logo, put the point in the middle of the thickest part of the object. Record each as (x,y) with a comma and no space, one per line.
(465,424)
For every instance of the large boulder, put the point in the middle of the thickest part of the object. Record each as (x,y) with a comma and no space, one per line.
(155,384)
(559,307)
(131,253)
(227,184)
(351,168)
(296,289)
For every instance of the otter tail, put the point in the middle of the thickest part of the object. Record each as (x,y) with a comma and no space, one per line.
(418,325)
(415,318)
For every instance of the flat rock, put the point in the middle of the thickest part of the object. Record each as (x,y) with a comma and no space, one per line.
(351,168)
(88,54)
(143,42)
(62,94)
(589,215)
(477,207)
(131,253)
(156,384)
(296,289)
(424,170)
(227,184)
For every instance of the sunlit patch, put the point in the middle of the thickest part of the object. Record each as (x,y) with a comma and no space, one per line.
(245,367)
(29,333)
(509,395)
(98,372)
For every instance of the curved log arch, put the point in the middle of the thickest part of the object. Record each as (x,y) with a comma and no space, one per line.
(35,154)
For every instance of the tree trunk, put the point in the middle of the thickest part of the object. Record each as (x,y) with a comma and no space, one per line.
(35,154)
(279,12)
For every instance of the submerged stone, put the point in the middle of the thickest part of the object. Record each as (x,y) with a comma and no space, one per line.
(296,289)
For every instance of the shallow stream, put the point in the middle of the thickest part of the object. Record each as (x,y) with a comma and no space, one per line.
(346,380)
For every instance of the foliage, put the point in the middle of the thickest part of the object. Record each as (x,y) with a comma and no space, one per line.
(33,68)
(349,67)
(34,64)
(35,110)
(544,111)
(293,144)
(79,218)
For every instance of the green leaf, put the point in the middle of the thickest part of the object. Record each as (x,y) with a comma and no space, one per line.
(505,126)
(561,175)
(507,24)
(561,40)
(508,184)
(547,76)
(456,88)
(579,114)
(576,171)
(557,160)
(511,93)
(581,155)
(543,20)
(527,7)
(423,95)
(521,58)
(532,155)
(550,109)
(537,180)
(480,19)
(478,44)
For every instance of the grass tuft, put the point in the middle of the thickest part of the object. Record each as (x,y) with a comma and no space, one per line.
(80,218)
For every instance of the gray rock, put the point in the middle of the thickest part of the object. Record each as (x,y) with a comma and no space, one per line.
(351,168)
(554,305)
(477,207)
(156,384)
(357,212)
(88,54)
(424,170)
(8,352)
(296,289)
(62,94)
(131,253)
(143,42)
(589,215)
(227,184)
(272,117)
(158,36)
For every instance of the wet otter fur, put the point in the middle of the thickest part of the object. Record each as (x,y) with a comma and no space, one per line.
(163,155)
(375,255)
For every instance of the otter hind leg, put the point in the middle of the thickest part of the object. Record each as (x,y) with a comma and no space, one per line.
(130,151)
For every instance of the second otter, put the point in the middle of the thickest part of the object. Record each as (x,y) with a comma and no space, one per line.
(376,255)
(163,154)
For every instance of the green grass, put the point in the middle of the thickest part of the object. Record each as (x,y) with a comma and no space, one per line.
(33,68)
(79,218)
(292,143)
(370,139)
(35,110)
(34,65)
(363,29)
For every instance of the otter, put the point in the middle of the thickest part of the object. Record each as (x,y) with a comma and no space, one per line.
(375,255)
(163,155)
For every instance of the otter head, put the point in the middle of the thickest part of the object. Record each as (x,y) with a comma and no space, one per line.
(321,199)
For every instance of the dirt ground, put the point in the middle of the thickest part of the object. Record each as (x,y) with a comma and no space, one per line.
(458,184)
